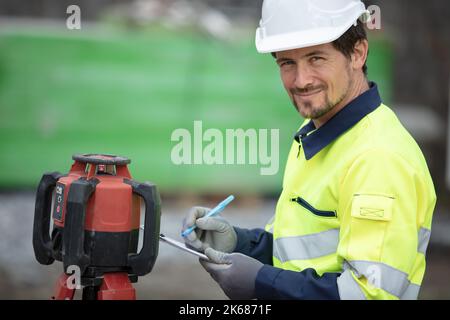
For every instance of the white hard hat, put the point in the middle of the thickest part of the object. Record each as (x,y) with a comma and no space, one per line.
(292,24)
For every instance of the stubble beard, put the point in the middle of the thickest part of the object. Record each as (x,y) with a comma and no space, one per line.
(310,112)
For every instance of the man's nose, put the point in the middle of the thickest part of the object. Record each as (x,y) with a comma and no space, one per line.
(303,77)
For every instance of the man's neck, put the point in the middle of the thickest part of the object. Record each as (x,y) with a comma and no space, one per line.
(359,87)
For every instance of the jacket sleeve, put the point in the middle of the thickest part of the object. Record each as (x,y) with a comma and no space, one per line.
(275,283)
(383,203)
(255,243)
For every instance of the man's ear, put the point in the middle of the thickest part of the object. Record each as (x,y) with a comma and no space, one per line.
(359,55)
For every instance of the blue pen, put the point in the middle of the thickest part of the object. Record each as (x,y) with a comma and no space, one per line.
(219,208)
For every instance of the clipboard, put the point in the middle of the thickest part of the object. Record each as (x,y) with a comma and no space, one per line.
(182,246)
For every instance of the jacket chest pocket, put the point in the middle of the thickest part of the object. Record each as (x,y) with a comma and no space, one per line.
(321,213)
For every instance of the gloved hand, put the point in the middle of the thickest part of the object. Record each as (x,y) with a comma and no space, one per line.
(213,232)
(235,273)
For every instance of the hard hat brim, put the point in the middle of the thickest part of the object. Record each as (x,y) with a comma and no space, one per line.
(297,40)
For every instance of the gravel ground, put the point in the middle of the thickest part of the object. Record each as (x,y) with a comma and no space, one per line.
(176,275)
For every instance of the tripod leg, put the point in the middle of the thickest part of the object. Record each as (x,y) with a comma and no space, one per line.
(116,286)
(90,293)
(62,291)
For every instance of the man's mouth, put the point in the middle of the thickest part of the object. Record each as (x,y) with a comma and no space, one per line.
(308,93)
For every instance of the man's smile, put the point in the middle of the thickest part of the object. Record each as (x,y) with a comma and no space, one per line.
(307,93)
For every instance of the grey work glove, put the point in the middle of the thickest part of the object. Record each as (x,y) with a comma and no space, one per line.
(235,273)
(213,232)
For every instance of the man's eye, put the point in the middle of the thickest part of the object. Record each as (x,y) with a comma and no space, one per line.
(286,63)
(315,59)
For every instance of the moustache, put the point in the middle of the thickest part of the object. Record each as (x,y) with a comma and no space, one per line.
(307,89)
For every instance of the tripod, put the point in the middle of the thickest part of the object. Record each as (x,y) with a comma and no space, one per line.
(112,286)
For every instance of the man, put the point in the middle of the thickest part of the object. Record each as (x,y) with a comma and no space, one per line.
(353,220)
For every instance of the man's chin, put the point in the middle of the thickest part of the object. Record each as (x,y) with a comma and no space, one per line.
(307,112)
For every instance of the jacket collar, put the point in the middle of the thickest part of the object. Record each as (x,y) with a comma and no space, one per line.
(351,114)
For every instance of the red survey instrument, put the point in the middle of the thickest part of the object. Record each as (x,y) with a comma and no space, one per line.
(95,215)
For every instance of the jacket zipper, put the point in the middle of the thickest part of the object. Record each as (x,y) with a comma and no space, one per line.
(313,210)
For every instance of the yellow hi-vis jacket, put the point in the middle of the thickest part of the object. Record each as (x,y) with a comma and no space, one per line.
(357,200)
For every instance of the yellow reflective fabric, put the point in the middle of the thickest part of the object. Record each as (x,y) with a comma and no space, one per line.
(269,225)
(376,181)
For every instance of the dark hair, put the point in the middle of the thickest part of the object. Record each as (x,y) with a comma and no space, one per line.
(346,43)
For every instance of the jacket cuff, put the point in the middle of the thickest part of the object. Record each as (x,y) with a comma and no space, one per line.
(244,238)
(264,283)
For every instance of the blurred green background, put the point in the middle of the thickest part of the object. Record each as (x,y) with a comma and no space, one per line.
(124,91)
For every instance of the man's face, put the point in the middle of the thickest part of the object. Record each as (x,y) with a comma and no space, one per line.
(316,78)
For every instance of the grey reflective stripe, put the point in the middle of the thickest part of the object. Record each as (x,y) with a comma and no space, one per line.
(348,288)
(381,275)
(424,238)
(411,293)
(306,247)
(275,252)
